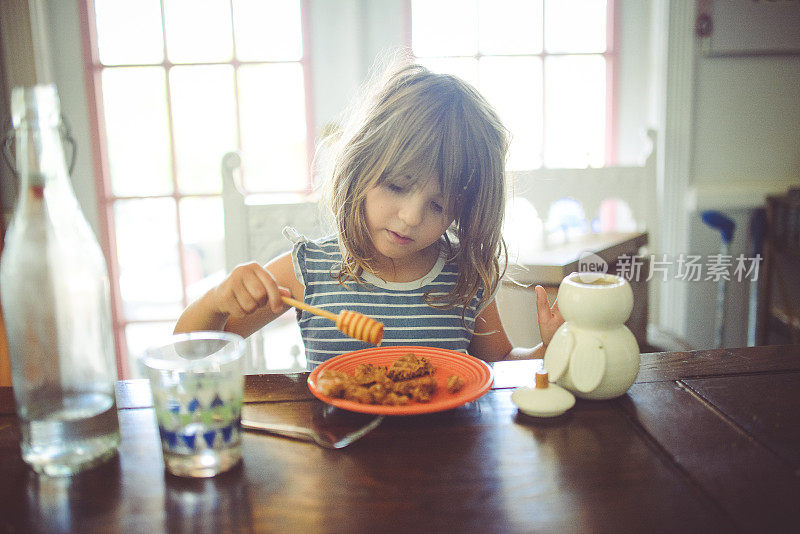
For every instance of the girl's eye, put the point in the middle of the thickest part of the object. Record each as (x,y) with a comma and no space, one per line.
(436,207)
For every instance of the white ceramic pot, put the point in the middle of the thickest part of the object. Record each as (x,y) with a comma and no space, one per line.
(593,354)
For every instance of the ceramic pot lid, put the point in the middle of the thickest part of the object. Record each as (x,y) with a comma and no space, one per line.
(544,400)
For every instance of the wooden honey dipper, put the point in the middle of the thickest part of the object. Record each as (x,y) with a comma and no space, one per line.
(353,324)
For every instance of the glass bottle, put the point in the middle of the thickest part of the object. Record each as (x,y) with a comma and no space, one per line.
(55,295)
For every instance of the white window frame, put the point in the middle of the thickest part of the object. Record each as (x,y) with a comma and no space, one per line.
(611,56)
(105,197)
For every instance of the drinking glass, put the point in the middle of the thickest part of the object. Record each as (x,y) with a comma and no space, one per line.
(197,383)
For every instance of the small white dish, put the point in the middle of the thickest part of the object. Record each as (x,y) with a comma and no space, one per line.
(544,400)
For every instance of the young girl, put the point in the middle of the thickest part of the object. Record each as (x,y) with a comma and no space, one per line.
(417,193)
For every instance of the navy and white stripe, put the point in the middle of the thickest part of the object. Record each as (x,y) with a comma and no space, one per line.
(407,319)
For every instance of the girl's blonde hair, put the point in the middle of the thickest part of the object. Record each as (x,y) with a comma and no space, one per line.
(425,124)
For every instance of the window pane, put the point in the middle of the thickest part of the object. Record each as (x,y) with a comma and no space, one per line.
(514,87)
(511,26)
(147,249)
(129,32)
(268,30)
(575,26)
(141,336)
(444,27)
(465,68)
(575,111)
(204,122)
(198,30)
(135,107)
(273,125)
(203,235)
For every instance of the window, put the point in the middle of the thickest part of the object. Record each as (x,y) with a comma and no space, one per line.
(546,65)
(178,83)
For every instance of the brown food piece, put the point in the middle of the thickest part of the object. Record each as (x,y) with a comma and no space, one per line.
(410,366)
(454,383)
(358,393)
(393,399)
(408,378)
(334,383)
(366,373)
(379,393)
(419,389)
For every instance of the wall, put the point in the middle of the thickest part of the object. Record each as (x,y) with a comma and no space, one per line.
(68,75)
(347,36)
(17,67)
(50,52)
(746,126)
(635,87)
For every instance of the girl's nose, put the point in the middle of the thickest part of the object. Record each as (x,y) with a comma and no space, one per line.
(411,211)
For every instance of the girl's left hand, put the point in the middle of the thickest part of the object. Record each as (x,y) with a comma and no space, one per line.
(549,317)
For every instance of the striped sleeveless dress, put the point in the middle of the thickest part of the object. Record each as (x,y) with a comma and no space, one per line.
(407,319)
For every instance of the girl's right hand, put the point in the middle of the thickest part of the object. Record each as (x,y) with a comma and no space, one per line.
(247,289)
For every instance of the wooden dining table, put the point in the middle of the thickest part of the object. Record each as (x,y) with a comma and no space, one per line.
(704,441)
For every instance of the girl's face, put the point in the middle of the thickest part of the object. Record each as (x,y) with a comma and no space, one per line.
(405,217)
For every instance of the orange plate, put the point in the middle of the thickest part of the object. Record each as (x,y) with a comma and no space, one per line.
(475,373)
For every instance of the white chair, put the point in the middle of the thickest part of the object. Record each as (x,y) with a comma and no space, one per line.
(254,232)
(634,185)
(616,198)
